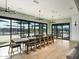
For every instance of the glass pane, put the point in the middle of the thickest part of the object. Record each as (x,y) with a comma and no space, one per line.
(31,29)
(44,29)
(59,31)
(55,31)
(4,31)
(24,29)
(41,29)
(15,29)
(37,28)
(66,32)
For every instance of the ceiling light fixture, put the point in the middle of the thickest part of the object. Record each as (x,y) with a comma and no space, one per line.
(35,1)
(39,16)
(54,11)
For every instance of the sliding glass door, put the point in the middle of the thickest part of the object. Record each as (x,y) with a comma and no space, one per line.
(61,31)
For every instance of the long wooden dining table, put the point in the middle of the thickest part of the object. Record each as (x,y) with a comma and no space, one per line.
(26,41)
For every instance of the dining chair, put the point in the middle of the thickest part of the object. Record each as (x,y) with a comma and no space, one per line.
(12,46)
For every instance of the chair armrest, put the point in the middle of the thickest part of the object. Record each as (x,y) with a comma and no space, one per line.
(72,54)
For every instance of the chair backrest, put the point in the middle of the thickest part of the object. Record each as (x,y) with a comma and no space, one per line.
(12,41)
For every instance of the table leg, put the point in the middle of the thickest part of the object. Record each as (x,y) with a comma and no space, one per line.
(48,40)
(28,47)
(34,44)
(44,42)
(40,42)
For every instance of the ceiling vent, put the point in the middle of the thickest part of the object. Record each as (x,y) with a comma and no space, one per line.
(35,1)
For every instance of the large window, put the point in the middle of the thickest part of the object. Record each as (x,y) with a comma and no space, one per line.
(11,28)
(61,31)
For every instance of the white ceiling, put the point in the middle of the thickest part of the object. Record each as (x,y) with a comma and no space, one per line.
(49,8)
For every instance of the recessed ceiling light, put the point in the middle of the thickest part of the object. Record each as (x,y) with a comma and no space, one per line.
(59,15)
(52,17)
(54,11)
(71,8)
(35,1)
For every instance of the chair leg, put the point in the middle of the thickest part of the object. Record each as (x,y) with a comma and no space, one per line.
(17,49)
(12,51)
(20,49)
(31,47)
(9,51)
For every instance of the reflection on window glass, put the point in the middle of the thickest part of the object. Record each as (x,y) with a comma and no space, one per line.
(54,31)
(59,31)
(37,28)
(4,37)
(66,32)
(31,29)
(4,31)
(15,29)
(24,29)
(44,29)
(41,29)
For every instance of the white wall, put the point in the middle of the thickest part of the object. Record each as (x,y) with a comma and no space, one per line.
(75,29)
(63,20)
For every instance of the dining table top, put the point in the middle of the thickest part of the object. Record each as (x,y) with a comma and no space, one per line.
(23,39)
